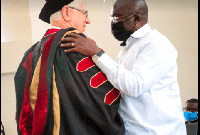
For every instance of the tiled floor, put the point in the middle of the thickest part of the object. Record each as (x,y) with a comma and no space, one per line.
(8,104)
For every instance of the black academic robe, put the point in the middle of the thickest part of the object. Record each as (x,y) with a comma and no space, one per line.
(64,94)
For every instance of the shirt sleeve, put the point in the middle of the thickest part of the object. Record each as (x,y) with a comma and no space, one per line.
(153,62)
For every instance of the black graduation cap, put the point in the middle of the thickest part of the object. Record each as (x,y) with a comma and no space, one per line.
(50,7)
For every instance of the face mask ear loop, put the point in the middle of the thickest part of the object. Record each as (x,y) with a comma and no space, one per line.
(128,20)
(132,28)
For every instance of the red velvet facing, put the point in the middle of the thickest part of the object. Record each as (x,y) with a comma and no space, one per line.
(111,96)
(84,64)
(25,120)
(40,111)
(38,120)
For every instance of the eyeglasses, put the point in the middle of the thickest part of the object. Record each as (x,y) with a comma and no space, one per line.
(83,11)
(125,18)
(190,109)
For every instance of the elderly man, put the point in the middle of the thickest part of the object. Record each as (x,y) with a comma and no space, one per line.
(64,94)
(145,71)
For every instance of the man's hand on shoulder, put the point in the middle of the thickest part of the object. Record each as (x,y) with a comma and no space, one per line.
(77,43)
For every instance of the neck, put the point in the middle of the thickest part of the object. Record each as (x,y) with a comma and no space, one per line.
(139,26)
(62,24)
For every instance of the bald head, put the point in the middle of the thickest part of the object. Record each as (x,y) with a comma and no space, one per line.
(140,7)
(137,6)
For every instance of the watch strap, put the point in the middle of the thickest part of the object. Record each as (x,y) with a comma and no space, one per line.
(100,53)
(96,56)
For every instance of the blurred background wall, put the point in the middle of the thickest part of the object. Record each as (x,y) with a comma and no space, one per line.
(20,28)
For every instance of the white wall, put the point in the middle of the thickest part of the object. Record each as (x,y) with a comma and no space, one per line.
(15,33)
(20,28)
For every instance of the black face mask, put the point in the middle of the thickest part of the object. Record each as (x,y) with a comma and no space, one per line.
(119,32)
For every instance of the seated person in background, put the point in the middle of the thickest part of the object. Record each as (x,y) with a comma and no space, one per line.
(2,129)
(64,94)
(191,115)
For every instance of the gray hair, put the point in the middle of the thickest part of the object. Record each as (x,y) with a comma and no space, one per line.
(57,15)
(75,3)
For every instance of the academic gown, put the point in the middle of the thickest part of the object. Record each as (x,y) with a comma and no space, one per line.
(64,94)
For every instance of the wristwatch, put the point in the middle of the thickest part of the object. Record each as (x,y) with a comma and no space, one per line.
(97,56)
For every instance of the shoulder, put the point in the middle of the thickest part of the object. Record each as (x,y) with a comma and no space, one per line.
(159,42)
(194,121)
(30,49)
(157,38)
(71,30)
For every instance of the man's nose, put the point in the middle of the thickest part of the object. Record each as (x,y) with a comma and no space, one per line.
(87,20)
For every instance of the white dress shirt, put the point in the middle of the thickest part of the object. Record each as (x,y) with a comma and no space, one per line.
(145,72)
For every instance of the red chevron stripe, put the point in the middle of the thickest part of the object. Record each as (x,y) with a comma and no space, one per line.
(111,96)
(84,64)
(97,80)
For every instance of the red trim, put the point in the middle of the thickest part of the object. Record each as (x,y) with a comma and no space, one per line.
(51,31)
(98,79)
(111,96)
(42,97)
(38,120)
(84,64)
(25,120)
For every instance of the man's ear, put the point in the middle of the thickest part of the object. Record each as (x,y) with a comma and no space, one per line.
(137,18)
(65,13)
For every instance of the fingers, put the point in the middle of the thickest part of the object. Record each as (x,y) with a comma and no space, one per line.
(68,45)
(74,35)
(70,50)
(72,38)
(69,39)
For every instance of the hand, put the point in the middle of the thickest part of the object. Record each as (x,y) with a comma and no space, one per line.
(80,44)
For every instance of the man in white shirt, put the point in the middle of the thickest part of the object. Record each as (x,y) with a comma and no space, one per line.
(145,71)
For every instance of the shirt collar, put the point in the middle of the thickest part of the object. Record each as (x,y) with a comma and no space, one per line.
(137,34)
(141,31)
(54,27)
